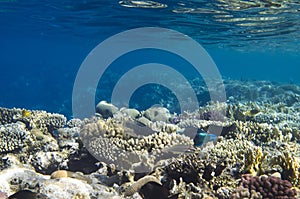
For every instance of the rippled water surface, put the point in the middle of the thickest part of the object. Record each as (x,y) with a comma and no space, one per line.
(219,22)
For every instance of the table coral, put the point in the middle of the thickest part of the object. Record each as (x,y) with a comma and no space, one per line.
(130,146)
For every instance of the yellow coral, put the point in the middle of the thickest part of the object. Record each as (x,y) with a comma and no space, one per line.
(254,160)
(290,167)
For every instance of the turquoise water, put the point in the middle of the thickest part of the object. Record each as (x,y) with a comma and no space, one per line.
(43,43)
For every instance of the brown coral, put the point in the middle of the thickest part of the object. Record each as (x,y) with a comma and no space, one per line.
(269,187)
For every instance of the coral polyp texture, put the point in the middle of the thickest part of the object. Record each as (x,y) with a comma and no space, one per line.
(248,147)
(268,187)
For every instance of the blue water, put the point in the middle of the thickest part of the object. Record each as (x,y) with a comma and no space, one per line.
(43,43)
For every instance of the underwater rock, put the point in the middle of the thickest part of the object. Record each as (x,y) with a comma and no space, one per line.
(66,188)
(9,160)
(133,113)
(14,180)
(131,188)
(106,109)
(143,120)
(157,114)
(68,139)
(47,162)
(61,174)
(69,174)
(24,194)
(153,190)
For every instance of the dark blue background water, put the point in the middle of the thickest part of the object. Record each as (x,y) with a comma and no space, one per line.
(43,43)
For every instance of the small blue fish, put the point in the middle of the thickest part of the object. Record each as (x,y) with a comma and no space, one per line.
(199,136)
(203,137)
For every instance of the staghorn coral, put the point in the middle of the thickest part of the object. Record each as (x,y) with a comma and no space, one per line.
(74,123)
(46,122)
(261,133)
(210,171)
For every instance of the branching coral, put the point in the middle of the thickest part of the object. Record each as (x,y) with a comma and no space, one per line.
(46,122)
(13,137)
(290,167)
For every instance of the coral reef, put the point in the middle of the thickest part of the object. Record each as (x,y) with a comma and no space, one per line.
(46,122)
(120,142)
(252,151)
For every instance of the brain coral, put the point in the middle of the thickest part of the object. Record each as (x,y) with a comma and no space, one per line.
(269,187)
